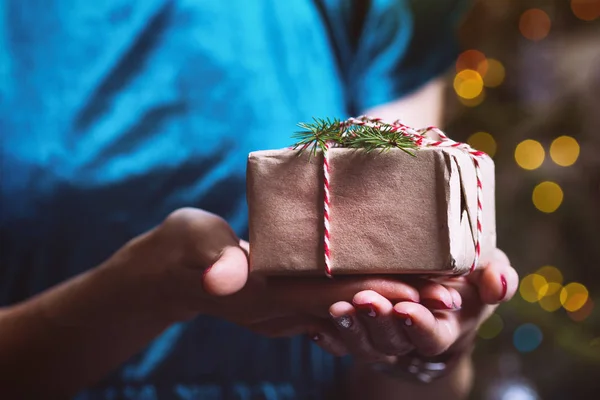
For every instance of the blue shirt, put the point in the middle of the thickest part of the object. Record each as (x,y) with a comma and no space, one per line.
(114,113)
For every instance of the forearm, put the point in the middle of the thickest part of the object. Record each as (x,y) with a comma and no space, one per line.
(72,335)
(365,383)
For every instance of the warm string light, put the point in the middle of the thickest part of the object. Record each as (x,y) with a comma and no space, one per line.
(534,24)
(564,151)
(475,72)
(530,155)
(483,141)
(586,10)
(545,287)
(547,197)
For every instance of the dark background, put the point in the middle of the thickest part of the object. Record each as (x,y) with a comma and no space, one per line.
(546,342)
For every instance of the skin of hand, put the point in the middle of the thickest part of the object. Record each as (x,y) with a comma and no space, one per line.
(204,270)
(375,329)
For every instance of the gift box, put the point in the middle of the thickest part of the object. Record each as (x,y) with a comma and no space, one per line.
(348,207)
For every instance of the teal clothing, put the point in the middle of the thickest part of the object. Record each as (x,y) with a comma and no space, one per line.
(115,112)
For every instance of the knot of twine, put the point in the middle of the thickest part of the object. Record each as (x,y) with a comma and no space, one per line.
(418,136)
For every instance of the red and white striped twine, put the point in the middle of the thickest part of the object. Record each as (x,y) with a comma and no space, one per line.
(326,202)
(421,140)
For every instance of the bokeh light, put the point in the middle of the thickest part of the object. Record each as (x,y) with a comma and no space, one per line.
(491,327)
(547,197)
(472,59)
(586,10)
(483,141)
(573,296)
(494,73)
(529,154)
(473,102)
(564,151)
(550,274)
(583,312)
(534,24)
(531,287)
(527,337)
(468,84)
(550,300)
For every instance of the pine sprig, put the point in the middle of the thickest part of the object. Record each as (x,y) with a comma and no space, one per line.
(315,135)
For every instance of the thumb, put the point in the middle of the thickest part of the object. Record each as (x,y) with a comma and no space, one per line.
(228,274)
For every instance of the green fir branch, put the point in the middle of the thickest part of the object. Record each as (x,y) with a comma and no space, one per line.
(383,137)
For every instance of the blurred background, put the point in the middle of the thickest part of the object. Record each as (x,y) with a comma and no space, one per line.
(526,90)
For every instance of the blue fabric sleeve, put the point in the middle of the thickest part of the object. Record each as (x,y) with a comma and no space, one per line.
(389,48)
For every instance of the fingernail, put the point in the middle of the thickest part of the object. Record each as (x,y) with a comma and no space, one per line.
(437,304)
(406,317)
(367,308)
(455,307)
(345,321)
(504,287)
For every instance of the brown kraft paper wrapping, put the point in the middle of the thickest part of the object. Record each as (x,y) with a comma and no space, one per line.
(390,212)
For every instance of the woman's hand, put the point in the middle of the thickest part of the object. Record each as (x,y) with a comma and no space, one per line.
(375,329)
(202,268)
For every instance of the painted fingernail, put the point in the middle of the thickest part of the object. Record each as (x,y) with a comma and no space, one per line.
(504,287)
(437,304)
(367,308)
(345,321)
(406,317)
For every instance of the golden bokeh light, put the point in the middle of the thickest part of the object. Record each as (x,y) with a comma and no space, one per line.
(534,24)
(583,312)
(468,84)
(473,102)
(551,274)
(491,327)
(564,151)
(586,10)
(547,197)
(472,59)
(529,154)
(550,289)
(573,296)
(495,73)
(531,287)
(483,141)
(550,300)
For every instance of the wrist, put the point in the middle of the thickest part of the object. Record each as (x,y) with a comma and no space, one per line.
(142,275)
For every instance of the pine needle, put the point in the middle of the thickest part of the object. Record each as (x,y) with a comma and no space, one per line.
(382,136)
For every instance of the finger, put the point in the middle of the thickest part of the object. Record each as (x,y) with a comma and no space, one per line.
(497,282)
(331,342)
(385,333)
(430,334)
(353,333)
(329,291)
(245,245)
(435,296)
(228,274)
